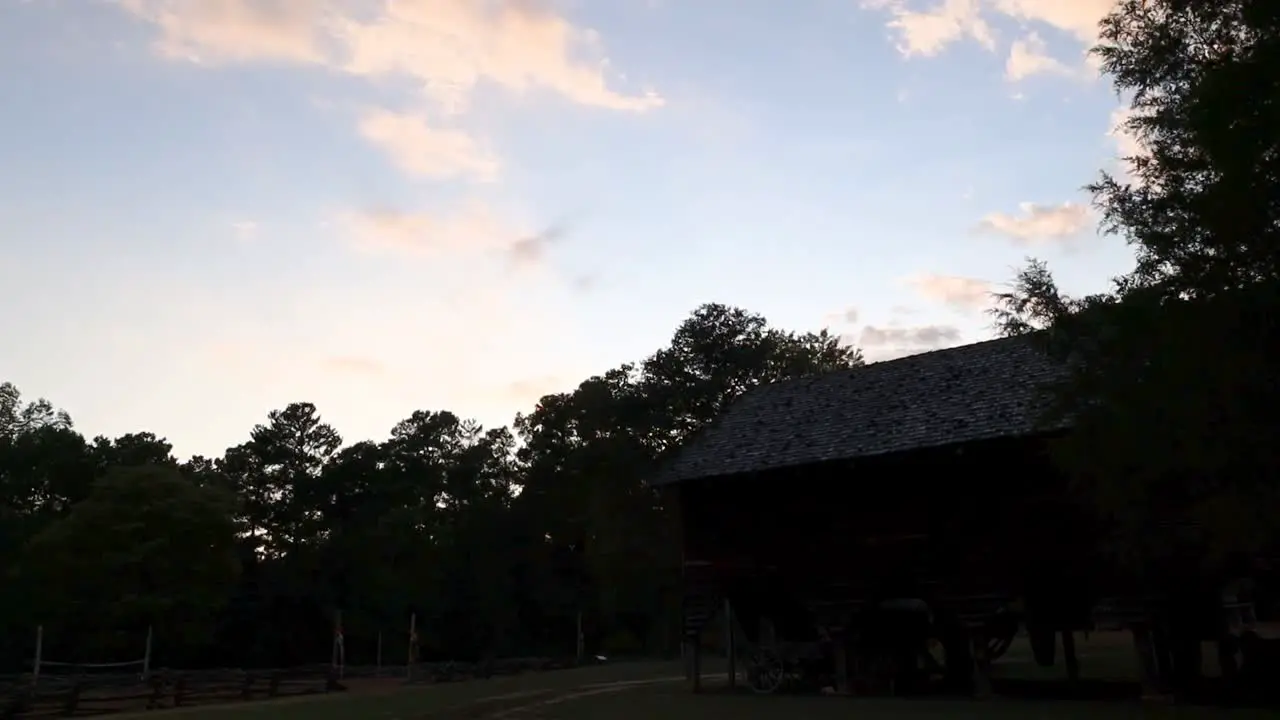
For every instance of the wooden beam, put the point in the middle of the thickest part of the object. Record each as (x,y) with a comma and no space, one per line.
(730,644)
(1148,669)
(1069,655)
(697,664)
(981,664)
(843,676)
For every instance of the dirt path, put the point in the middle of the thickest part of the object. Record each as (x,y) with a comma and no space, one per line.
(529,703)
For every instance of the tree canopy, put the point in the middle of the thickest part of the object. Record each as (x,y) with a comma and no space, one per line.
(1173,390)
(495,537)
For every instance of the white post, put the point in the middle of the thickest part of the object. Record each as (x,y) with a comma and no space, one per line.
(339,645)
(35,666)
(582,649)
(146,657)
(413,645)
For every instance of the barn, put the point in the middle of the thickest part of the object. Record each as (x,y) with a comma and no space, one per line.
(812,505)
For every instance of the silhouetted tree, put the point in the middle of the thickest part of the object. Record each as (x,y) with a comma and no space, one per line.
(1173,389)
(496,538)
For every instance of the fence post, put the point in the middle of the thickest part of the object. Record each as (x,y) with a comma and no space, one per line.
(35,666)
(146,657)
(339,648)
(413,645)
(72,698)
(581,644)
(157,693)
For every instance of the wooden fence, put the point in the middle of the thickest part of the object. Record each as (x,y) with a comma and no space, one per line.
(88,695)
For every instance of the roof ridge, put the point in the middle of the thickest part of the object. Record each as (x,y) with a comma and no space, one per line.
(882,364)
(963,393)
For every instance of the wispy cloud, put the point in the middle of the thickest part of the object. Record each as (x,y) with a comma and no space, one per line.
(445,47)
(925,336)
(442,49)
(1029,55)
(224,31)
(421,150)
(532,248)
(1126,144)
(474,227)
(886,343)
(245,230)
(471,230)
(848,316)
(926,28)
(1040,223)
(926,32)
(960,293)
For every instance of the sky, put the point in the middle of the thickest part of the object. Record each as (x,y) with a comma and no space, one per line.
(212,208)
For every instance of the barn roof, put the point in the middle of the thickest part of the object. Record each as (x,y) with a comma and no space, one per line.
(982,391)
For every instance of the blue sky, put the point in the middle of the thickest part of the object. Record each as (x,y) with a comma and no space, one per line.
(211,208)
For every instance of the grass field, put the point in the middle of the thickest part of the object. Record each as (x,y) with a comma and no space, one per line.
(674,702)
(390,700)
(654,691)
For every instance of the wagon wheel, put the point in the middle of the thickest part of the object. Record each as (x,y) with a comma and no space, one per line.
(765,671)
(1001,630)
(997,646)
(935,657)
(948,655)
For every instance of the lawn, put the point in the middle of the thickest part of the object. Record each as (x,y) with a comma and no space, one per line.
(674,702)
(390,702)
(627,691)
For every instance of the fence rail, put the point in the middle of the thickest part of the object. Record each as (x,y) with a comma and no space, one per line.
(49,696)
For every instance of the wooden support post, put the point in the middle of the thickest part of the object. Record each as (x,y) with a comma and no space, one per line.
(146,657)
(339,645)
(35,666)
(72,699)
(843,676)
(690,649)
(413,647)
(686,655)
(697,664)
(981,664)
(730,645)
(1069,655)
(768,634)
(1148,673)
(580,642)
(1163,650)
(1228,647)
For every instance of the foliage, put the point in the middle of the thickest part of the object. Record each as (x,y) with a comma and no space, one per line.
(17,417)
(146,546)
(495,539)
(1173,385)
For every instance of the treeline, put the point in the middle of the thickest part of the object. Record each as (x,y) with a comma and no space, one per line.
(497,539)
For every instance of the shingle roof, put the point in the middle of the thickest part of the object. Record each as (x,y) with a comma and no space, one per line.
(982,391)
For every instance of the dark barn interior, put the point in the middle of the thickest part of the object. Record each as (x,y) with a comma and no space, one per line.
(937,523)
(813,505)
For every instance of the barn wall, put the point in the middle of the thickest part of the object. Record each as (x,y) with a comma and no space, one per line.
(976,519)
